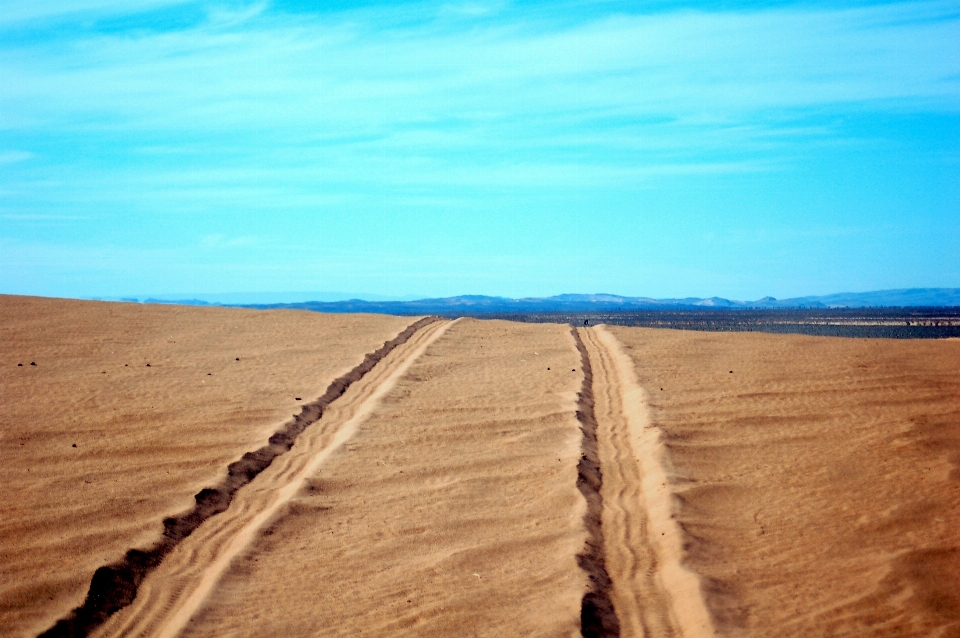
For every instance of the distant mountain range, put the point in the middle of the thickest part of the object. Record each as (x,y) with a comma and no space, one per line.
(478,304)
(262,298)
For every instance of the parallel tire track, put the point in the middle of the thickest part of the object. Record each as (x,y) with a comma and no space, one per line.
(180,586)
(652,593)
(113,587)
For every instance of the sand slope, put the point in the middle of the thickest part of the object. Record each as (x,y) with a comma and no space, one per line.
(453,511)
(147,438)
(818,477)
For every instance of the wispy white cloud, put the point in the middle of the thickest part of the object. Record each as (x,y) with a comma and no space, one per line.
(12,157)
(266,72)
(222,241)
(15,12)
(37,217)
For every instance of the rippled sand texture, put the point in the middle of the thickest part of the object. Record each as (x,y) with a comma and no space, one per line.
(147,438)
(452,511)
(819,477)
(475,478)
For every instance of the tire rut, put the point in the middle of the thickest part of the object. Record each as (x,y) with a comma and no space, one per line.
(652,594)
(181,586)
(113,587)
(598,619)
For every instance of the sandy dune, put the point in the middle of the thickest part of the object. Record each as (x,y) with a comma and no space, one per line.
(147,438)
(475,478)
(818,477)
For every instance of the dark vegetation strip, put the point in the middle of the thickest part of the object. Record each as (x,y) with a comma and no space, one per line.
(114,586)
(597,616)
(897,323)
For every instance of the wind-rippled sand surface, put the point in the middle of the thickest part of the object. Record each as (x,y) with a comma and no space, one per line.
(147,438)
(819,477)
(477,477)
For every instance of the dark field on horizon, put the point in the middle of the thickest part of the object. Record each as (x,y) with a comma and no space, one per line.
(887,323)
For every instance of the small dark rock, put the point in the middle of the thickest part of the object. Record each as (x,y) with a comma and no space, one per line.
(548,368)
(33,363)
(297,398)
(238,358)
(19,365)
(148,365)
(74,445)
(209,374)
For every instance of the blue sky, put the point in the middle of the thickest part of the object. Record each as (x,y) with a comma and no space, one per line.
(738,149)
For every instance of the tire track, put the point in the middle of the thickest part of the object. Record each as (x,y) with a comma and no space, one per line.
(179,587)
(598,619)
(113,587)
(653,595)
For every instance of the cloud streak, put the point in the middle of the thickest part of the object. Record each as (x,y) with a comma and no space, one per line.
(268,72)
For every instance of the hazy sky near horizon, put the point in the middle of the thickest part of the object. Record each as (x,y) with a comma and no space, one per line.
(662,148)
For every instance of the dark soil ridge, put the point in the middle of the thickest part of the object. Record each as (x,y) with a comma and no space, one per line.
(115,586)
(598,619)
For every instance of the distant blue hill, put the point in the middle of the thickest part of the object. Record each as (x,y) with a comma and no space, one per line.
(478,304)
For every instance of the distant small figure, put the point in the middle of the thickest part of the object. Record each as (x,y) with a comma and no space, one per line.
(586,322)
